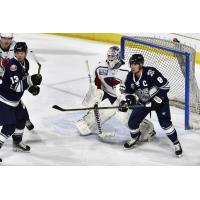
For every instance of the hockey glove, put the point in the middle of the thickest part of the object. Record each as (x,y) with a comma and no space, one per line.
(124,105)
(34,90)
(156,103)
(122,88)
(131,100)
(36,79)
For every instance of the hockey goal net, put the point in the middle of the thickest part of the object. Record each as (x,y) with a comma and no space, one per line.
(176,62)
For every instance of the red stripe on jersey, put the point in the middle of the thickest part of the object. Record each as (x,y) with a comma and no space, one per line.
(4,62)
(97,81)
(112,81)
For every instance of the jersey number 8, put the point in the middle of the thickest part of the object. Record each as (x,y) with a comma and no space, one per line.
(160,80)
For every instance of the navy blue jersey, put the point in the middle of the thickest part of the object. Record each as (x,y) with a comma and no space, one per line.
(151,83)
(14,82)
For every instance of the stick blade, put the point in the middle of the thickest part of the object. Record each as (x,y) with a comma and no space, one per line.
(57,107)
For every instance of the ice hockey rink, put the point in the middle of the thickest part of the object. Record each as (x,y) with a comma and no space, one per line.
(55,140)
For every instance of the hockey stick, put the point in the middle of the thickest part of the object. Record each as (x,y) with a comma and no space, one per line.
(92,108)
(36,60)
(96,108)
(88,70)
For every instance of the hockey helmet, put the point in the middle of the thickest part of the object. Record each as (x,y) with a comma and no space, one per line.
(136,59)
(20,47)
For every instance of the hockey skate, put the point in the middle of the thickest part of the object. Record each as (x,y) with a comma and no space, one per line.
(20,147)
(178,150)
(131,143)
(29,125)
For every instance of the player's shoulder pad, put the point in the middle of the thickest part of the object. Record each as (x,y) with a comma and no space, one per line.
(12,65)
(12,46)
(12,61)
(102,65)
(150,71)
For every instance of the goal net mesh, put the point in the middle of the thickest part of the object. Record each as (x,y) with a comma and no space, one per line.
(171,65)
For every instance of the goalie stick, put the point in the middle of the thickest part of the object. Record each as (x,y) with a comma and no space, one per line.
(96,108)
(88,70)
(97,117)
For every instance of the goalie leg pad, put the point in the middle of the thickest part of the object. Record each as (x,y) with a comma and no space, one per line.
(123,117)
(87,124)
(147,130)
(83,127)
(146,127)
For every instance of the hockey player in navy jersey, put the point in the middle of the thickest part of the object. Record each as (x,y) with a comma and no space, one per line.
(150,88)
(109,76)
(14,82)
(7,44)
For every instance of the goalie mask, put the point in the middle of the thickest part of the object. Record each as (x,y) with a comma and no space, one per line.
(113,58)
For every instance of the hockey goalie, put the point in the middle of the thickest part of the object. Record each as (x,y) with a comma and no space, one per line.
(105,91)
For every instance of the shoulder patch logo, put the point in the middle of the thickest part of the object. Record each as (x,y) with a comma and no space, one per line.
(103,72)
(133,86)
(13,68)
(150,72)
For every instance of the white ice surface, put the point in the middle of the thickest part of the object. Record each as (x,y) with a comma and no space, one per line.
(55,140)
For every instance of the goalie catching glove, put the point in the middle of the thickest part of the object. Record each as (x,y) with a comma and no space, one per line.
(130,100)
(93,96)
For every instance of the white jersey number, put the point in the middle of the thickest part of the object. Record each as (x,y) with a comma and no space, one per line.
(14,79)
(160,80)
